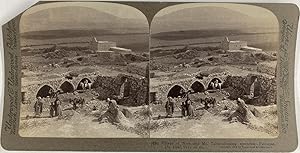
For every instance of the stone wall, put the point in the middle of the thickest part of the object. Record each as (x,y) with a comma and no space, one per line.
(31,89)
(160,90)
(139,68)
(109,87)
(267,67)
(240,57)
(238,86)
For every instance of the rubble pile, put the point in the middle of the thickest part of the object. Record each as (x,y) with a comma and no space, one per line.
(109,87)
(135,58)
(240,58)
(238,86)
(104,87)
(267,67)
(138,68)
(57,54)
(29,67)
(198,62)
(262,56)
(158,66)
(117,59)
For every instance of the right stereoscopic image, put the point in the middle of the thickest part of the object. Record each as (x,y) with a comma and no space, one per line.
(213,72)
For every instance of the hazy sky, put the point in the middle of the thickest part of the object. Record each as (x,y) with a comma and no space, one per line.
(124,11)
(119,10)
(253,11)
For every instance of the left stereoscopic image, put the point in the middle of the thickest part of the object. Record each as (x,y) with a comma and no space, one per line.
(84,71)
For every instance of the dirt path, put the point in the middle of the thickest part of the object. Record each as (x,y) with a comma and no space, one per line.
(79,127)
(207,127)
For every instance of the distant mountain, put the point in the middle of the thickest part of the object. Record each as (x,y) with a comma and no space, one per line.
(194,34)
(201,18)
(83,18)
(69,33)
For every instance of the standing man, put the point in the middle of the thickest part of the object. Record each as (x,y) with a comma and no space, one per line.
(183,109)
(55,95)
(41,105)
(38,106)
(188,102)
(56,101)
(190,108)
(183,106)
(51,105)
(172,104)
(168,108)
(59,109)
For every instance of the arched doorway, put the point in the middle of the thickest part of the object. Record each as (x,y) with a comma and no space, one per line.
(66,87)
(85,83)
(212,84)
(197,87)
(255,88)
(124,88)
(45,91)
(176,91)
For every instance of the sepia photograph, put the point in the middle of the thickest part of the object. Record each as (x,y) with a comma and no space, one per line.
(150,76)
(84,71)
(213,71)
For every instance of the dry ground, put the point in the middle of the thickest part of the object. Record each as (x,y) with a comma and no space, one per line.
(83,123)
(209,126)
(79,126)
(212,123)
